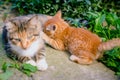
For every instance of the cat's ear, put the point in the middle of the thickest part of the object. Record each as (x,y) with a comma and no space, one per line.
(58,14)
(51,27)
(33,20)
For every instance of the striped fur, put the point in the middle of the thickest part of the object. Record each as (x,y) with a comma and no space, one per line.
(22,39)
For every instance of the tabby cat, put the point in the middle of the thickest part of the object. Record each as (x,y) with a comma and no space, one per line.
(22,39)
(84,46)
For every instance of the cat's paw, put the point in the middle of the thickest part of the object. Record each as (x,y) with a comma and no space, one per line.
(73,58)
(42,64)
(32,62)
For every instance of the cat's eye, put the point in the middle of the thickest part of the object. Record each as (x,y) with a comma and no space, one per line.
(53,27)
(10,38)
(17,39)
(36,34)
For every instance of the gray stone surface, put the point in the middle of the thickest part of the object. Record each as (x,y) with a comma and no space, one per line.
(60,67)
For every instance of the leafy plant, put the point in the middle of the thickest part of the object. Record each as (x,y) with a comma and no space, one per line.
(70,8)
(106,25)
(111,59)
(28,69)
(25,68)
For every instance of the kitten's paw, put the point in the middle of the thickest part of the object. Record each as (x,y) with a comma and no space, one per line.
(42,64)
(73,58)
(32,62)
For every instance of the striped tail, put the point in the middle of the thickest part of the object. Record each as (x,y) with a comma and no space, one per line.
(109,44)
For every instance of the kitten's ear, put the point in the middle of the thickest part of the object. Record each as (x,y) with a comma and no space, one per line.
(58,14)
(51,28)
(33,20)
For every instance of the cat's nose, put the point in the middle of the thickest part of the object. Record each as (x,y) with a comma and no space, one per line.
(25,45)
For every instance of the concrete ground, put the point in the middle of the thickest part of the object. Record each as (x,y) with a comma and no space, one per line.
(60,67)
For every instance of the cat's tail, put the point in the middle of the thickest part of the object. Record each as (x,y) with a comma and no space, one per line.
(109,44)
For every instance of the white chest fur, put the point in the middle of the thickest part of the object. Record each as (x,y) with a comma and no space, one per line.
(31,51)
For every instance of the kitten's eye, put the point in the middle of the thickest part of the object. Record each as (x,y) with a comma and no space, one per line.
(53,27)
(17,39)
(36,34)
(10,38)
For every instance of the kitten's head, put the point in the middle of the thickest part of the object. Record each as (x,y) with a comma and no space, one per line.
(22,32)
(55,25)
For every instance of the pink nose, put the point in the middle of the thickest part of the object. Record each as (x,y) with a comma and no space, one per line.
(25,45)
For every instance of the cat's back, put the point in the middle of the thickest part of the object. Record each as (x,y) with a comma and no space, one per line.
(84,34)
(82,38)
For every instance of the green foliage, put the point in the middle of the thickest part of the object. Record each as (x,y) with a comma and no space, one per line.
(70,8)
(106,25)
(25,68)
(111,59)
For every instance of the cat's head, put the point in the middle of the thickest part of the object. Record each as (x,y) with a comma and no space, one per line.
(22,32)
(55,25)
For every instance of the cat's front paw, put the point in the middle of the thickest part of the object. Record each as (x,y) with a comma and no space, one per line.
(42,64)
(32,62)
(73,58)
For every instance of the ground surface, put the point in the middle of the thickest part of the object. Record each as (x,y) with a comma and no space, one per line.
(60,67)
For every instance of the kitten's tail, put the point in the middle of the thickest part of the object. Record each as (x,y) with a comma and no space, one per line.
(109,44)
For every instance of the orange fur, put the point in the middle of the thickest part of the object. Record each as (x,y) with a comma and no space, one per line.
(81,43)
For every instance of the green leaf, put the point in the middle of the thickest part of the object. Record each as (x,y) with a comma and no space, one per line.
(29,67)
(88,2)
(28,73)
(102,18)
(5,66)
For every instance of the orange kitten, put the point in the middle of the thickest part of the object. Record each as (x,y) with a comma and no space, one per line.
(84,46)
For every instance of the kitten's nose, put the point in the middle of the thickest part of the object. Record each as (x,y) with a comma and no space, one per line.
(25,45)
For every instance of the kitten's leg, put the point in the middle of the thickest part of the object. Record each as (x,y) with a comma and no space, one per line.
(57,44)
(32,62)
(84,58)
(27,60)
(41,60)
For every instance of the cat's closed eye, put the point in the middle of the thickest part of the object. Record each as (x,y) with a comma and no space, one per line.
(32,36)
(36,34)
(16,39)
